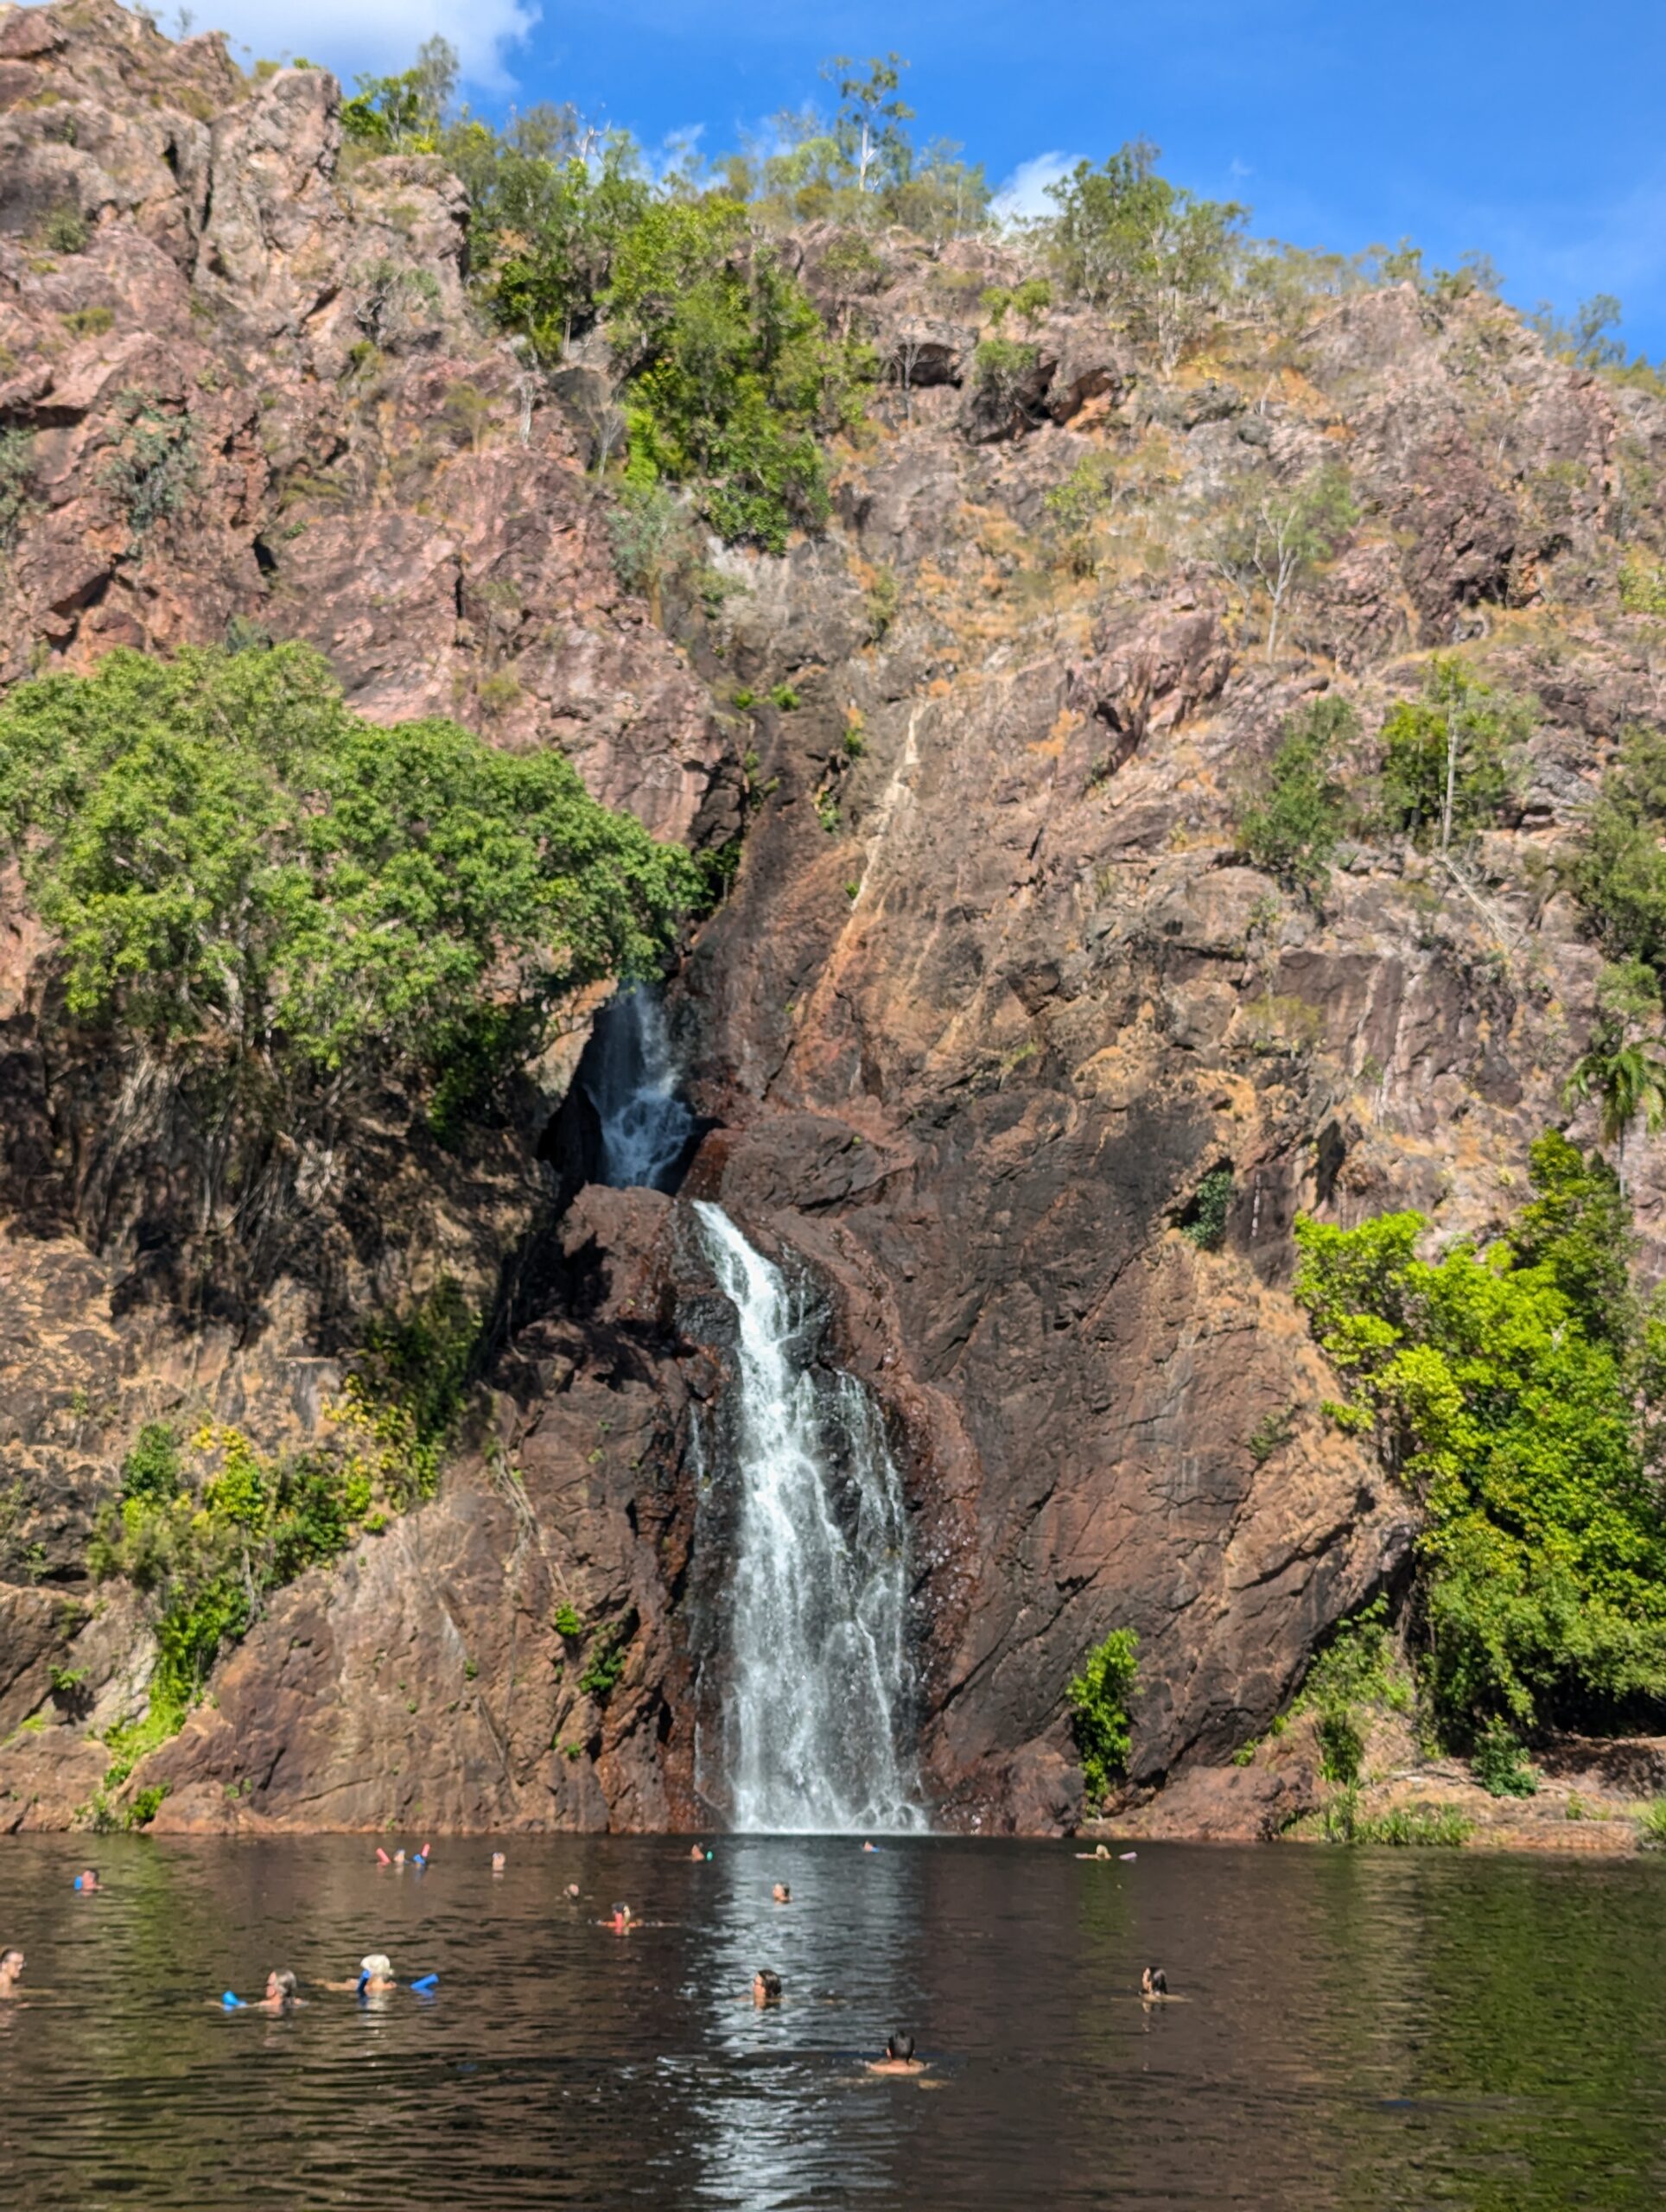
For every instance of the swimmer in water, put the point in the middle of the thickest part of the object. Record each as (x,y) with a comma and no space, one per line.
(899,2056)
(623,1920)
(782,1893)
(375,1974)
(697,1852)
(498,1862)
(765,1988)
(1153,1985)
(87,1880)
(1100,1851)
(282,1994)
(870,1847)
(11,1971)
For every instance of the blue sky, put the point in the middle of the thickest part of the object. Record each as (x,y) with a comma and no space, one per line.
(1531,132)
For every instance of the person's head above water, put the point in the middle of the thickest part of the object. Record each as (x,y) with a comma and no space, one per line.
(900,2047)
(697,1851)
(11,1967)
(498,1862)
(572,1889)
(783,1893)
(766,1986)
(1153,1982)
(281,1987)
(375,1967)
(87,1878)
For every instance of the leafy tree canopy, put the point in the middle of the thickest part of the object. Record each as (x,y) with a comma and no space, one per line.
(1449,758)
(1508,1391)
(241,870)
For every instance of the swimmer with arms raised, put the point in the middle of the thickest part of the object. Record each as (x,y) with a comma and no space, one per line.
(899,2056)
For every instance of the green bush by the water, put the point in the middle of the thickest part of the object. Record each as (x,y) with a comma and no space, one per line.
(1098,1699)
(1440,1825)
(207,1528)
(1512,1392)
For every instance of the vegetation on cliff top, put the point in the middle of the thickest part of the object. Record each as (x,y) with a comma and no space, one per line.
(731,380)
(1515,1394)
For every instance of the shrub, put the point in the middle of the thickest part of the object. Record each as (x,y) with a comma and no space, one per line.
(1204,1221)
(146,1804)
(1618,870)
(604,1667)
(567,1622)
(1642,583)
(1498,1765)
(1293,831)
(1651,1827)
(153,470)
(1449,758)
(731,373)
(1520,1431)
(16,471)
(65,231)
(210,1548)
(1098,1698)
(89,322)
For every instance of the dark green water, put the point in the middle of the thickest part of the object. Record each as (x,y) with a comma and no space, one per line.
(1365,2030)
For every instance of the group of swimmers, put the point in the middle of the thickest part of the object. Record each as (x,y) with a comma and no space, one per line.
(376,1975)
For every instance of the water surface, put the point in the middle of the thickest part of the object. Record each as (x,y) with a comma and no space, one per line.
(1365,2029)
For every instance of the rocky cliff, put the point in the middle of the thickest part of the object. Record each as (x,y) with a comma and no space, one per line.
(994,1002)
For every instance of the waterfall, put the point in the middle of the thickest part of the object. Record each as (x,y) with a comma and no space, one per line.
(628,1074)
(819,1689)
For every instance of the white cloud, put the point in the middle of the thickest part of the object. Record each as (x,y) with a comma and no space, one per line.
(373,36)
(1024,194)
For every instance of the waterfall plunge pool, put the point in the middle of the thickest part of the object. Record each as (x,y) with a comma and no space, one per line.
(1367,2030)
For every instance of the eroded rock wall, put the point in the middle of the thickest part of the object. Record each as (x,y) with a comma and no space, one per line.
(992,995)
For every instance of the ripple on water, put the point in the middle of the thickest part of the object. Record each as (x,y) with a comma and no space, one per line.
(1363,2029)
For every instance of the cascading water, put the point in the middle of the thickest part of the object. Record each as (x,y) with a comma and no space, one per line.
(631,1081)
(819,1684)
(808,1629)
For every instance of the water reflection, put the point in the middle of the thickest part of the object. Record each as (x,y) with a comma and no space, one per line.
(1364,2031)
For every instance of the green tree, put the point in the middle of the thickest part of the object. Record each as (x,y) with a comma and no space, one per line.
(1147,250)
(730,373)
(1277,540)
(872,146)
(547,221)
(1618,869)
(1294,829)
(1541,1593)
(404,114)
(1449,758)
(286,908)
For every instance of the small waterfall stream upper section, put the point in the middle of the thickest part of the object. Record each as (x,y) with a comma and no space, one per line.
(631,1080)
(817,1711)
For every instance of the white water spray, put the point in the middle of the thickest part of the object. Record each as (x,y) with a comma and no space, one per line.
(820,1682)
(631,1082)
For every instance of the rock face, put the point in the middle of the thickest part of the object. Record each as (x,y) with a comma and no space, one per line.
(993,1005)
